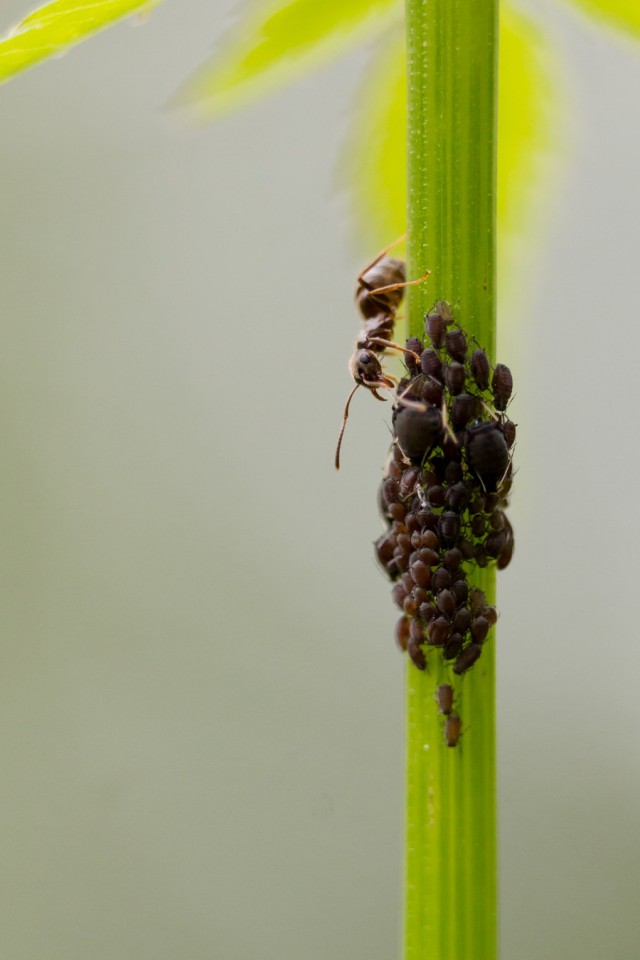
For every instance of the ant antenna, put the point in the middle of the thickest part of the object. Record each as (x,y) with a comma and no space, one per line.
(344,424)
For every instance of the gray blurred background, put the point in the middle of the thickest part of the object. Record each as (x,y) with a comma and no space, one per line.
(201,702)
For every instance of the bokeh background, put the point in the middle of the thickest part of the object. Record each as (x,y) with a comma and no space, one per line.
(201,703)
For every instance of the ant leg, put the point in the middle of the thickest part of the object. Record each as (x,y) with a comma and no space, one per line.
(379,257)
(404,401)
(344,423)
(398,286)
(394,346)
(506,473)
(446,424)
(492,413)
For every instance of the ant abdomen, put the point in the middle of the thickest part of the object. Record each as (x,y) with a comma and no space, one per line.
(387,272)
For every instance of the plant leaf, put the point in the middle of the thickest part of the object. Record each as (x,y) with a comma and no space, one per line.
(51,29)
(623,14)
(373,167)
(275,42)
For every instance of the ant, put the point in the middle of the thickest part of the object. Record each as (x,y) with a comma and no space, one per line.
(379,293)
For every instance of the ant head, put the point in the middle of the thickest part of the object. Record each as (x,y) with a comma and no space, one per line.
(366,370)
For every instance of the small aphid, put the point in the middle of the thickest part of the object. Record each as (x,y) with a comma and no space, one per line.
(417,655)
(480,369)
(452,647)
(457,496)
(438,631)
(414,348)
(446,603)
(463,409)
(444,696)
(437,321)
(502,386)
(431,365)
(441,580)
(462,619)
(448,527)
(467,658)
(452,729)
(480,629)
(402,633)
(509,430)
(456,344)
(454,377)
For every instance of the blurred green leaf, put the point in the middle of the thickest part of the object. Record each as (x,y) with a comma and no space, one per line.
(374,164)
(274,42)
(51,29)
(623,14)
(529,131)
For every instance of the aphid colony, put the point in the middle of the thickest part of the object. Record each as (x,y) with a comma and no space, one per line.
(447,478)
(444,493)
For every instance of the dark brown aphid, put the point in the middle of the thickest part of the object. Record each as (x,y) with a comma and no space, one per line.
(452,647)
(402,633)
(488,454)
(456,344)
(462,619)
(467,658)
(417,655)
(437,321)
(452,729)
(480,369)
(454,377)
(509,430)
(431,365)
(448,527)
(444,696)
(447,603)
(463,409)
(502,386)
(379,292)
(417,431)
(457,496)
(480,629)
(505,557)
(440,580)
(413,349)
(438,631)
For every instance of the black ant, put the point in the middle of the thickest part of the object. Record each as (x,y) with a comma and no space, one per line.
(379,293)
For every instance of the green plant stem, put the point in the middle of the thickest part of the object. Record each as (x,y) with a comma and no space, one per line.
(451,882)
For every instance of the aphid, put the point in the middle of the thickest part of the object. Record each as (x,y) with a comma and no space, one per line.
(456,345)
(417,655)
(437,321)
(501,385)
(402,633)
(452,729)
(467,658)
(480,368)
(487,453)
(417,431)
(444,696)
(379,293)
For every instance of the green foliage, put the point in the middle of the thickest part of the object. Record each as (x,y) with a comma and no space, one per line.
(622,14)
(51,29)
(375,162)
(276,42)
